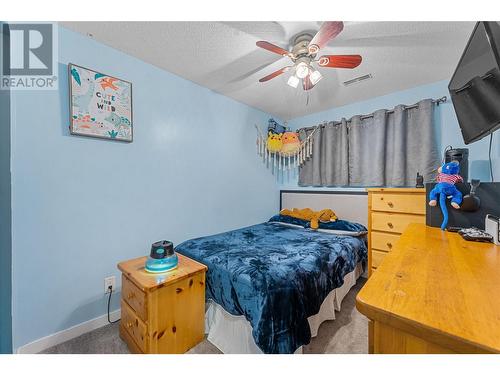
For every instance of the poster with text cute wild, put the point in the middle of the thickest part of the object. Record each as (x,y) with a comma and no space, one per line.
(101,105)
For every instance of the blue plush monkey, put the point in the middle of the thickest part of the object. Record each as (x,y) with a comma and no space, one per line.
(448,176)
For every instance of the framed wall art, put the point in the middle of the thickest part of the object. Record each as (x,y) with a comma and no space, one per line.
(100,105)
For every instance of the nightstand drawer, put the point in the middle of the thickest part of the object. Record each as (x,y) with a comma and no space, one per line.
(377,257)
(383,241)
(135,297)
(395,223)
(181,322)
(134,326)
(404,203)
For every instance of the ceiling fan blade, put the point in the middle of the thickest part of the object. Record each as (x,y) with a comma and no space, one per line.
(274,74)
(307,84)
(273,48)
(340,61)
(327,31)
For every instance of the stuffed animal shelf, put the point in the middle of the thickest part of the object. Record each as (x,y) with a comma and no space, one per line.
(282,150)
(448,176)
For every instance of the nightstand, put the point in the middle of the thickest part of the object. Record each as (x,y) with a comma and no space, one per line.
(162,313)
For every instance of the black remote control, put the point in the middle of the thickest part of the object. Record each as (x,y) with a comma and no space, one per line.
(474,234)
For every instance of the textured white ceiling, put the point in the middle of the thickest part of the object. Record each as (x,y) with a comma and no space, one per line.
(223,57)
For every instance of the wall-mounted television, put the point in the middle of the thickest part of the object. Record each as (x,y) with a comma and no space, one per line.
(475,85)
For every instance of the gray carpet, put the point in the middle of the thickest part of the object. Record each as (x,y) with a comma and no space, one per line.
(347,334)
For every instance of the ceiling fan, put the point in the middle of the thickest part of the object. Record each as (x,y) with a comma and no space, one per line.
(303,55)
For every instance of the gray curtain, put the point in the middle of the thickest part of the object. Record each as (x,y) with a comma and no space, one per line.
(328,163)
(387,148)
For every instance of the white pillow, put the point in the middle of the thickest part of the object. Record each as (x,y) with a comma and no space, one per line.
(343,232)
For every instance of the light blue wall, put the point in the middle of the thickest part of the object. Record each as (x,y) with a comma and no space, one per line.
(447,129)
(81,205)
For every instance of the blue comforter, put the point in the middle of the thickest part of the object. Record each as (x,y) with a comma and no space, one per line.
(276,276)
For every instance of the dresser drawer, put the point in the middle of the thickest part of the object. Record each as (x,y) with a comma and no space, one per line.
(395,223)
(383,241)
(135,297)
(134,326)
(377,257)
(404,203)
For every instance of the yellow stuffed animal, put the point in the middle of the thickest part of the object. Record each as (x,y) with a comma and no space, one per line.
(314,217)
(274,142)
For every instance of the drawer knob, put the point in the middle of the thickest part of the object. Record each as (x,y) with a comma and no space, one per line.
(130,296)
(389,245)
(390,225)
(129,325)
(390,204)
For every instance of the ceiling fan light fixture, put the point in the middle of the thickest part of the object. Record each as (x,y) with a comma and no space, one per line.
(293,81)
(315,77)
(302,70)
(303,51)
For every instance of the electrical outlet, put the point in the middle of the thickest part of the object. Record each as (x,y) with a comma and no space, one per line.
(109,282)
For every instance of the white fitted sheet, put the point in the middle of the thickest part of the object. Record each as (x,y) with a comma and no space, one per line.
(233,334)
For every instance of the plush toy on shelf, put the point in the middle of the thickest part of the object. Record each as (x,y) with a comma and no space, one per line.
(291,143)
(274,142)
(448,176)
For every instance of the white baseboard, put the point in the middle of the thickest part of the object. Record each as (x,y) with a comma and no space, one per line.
(67,334)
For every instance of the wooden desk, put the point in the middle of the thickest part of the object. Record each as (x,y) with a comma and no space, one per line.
(434,293)
(164,312)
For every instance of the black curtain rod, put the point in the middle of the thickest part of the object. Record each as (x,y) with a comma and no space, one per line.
(443,99)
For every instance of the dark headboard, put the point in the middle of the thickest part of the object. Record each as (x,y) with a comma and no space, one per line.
(488,192)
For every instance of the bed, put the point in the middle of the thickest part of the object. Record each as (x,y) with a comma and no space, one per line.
(270,285)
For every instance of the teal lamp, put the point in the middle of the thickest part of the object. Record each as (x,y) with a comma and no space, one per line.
(162,257)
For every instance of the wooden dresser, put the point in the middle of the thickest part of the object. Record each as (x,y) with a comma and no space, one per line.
(434,293)
(162,313)
(390,210)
